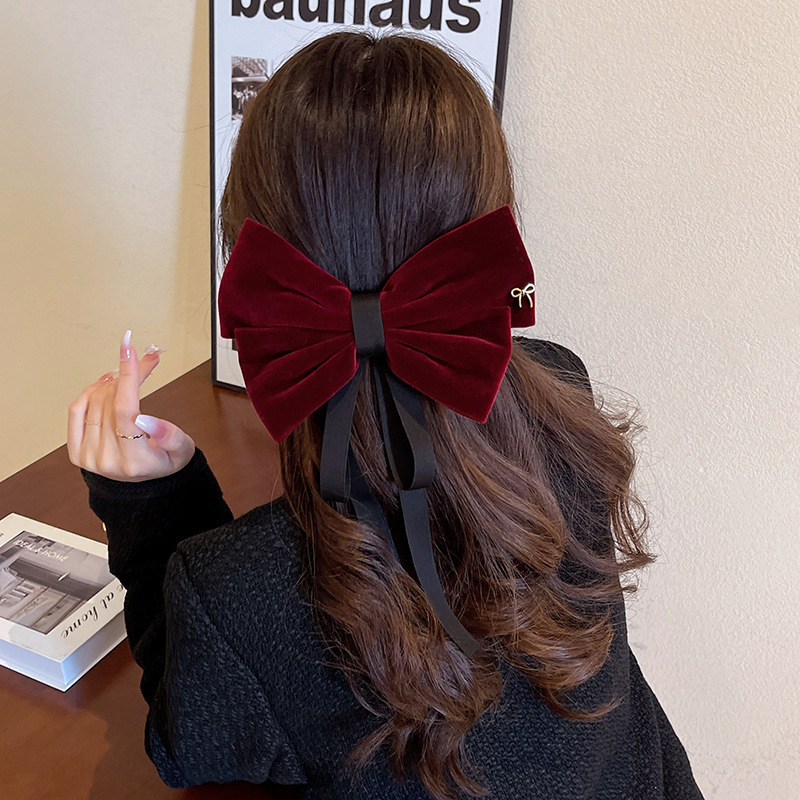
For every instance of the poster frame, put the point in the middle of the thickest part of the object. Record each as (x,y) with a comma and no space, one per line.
(501,65)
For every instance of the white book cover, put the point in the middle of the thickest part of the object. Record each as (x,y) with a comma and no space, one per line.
(60,607)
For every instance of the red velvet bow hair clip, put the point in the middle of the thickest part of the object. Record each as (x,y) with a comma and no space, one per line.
(441,326)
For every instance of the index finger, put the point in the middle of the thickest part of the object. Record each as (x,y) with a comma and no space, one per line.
(76,415)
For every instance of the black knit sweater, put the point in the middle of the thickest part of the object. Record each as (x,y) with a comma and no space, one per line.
(240,686)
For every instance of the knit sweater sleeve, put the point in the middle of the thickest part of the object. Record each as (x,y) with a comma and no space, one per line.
(144,521)
(209,719)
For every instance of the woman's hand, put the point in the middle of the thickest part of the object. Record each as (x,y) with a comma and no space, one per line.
(107,435)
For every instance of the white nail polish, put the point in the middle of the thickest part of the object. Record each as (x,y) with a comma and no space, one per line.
(147,423)
(154,348)
(125,347)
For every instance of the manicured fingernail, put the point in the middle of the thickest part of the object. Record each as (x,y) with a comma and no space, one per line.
(147,423)
(109,376)
(154,349)
(125,347)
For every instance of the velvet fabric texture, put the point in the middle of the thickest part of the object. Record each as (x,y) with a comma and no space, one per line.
(447,315)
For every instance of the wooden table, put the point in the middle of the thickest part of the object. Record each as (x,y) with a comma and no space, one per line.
(88,743)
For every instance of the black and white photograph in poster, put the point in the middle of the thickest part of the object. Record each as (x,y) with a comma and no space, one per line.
(247,75)
(250,39)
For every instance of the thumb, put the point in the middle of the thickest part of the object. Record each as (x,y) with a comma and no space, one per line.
(169,437)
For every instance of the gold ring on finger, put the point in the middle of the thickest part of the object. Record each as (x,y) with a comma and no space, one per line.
(137,436)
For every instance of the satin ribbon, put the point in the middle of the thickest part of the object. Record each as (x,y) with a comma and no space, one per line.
(410,456)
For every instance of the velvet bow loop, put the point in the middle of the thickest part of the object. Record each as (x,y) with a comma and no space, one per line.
(446,314)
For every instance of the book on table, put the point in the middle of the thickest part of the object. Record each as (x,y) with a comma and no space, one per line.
(60,607)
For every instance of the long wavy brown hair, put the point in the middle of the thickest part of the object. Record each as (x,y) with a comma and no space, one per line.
(360,151)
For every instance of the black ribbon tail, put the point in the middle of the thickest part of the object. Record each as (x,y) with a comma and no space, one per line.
(336,439)
(340,478)
(414,503)
(409,448)
(409,452)
(366,506)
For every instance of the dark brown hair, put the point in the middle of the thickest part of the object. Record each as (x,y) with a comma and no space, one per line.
(360,151)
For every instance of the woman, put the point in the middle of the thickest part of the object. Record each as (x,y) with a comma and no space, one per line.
(310,642)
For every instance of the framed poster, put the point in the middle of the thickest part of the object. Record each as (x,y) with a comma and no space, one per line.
(250,39)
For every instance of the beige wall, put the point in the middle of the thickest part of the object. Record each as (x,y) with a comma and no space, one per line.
(658,159)
(103,202)
(657,163)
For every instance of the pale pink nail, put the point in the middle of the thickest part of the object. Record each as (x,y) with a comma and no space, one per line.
(108,376)
(148,424)
(125,347)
